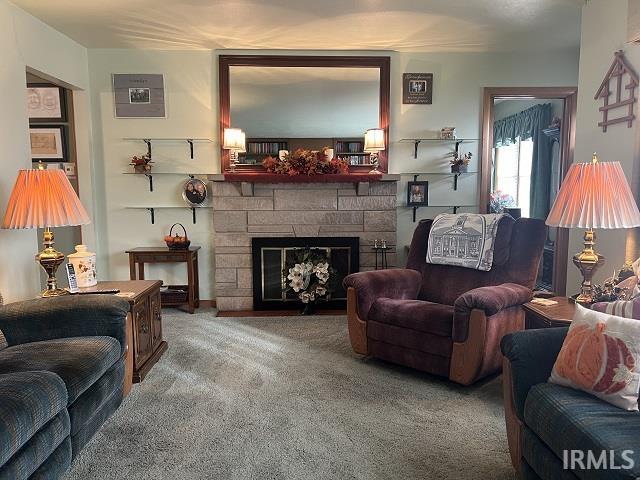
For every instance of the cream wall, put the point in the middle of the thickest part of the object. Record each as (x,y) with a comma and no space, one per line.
(604,31)
(26,42)
(189,87)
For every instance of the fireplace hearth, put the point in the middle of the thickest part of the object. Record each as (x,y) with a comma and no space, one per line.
(270,255)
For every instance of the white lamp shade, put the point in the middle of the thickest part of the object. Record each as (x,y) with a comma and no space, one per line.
(234,139)
(595,195)
(374,140)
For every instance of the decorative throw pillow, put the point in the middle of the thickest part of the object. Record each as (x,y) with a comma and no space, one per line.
(464,240)
(3,341)
(601,356)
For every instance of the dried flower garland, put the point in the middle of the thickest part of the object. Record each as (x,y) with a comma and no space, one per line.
(306,162)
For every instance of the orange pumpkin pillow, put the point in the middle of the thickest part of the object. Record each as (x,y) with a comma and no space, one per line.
(600,355)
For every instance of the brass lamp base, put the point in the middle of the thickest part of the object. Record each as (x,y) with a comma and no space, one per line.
(50,259)
(587,261)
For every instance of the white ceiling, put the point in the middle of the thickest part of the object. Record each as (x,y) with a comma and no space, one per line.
(404,25)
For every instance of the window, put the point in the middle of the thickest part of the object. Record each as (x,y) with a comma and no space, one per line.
(513,172)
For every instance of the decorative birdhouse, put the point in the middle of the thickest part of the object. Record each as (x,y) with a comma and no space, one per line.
(624,93)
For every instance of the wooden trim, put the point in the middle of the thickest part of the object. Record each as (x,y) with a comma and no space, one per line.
(466,357)
(570,97)
(207,304)
(381,62)
(357,326)
(513,423)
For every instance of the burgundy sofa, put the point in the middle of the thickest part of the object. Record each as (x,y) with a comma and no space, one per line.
(441,319)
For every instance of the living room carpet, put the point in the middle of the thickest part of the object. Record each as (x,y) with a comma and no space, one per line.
(286,398)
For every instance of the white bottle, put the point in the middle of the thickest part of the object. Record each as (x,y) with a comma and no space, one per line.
(84,263)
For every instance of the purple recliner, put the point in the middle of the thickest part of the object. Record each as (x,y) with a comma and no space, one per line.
(442,319)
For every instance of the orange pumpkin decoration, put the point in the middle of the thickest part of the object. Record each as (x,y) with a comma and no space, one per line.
(594,360)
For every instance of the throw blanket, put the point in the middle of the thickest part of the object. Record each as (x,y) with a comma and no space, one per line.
(463,240)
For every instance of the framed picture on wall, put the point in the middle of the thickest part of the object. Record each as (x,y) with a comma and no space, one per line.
(194,192)
(47,144)
(417,194)
(139,95)
(45,103)
(417,88)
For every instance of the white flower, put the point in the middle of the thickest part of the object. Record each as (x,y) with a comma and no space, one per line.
(297,284)
(305,297)
(322,277)
(320,290)
(322,267)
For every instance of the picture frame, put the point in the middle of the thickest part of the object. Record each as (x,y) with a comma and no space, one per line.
(139,95)
(48,143)
(417,194)
(194,192)
(417,88)
(46,103)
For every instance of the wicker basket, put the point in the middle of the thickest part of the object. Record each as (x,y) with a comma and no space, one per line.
(178,245)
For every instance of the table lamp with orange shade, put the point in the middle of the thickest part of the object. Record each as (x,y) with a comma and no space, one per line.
(593,195)
(45,199)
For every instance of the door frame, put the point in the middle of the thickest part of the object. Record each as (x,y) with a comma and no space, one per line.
(568,143)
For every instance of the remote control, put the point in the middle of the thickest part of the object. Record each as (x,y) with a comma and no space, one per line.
(71,275)
(99,291)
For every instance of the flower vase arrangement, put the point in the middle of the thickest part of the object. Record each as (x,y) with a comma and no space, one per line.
(141,164)
(306,162)
(459,163)
(308,276)
(499,201)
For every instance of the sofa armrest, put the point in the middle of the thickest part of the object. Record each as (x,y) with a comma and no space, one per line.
(67,316)
(397,283)
(490,300)
(531,354)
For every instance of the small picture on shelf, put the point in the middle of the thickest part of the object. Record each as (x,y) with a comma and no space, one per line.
(417,194)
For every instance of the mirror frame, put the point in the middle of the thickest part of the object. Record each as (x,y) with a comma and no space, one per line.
(382,63)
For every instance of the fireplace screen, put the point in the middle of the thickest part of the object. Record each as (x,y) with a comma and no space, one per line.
(272,255)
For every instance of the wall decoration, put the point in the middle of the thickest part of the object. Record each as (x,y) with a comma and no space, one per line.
(625,93)
(417,194)
(417,88)
(48,144)
(194,192)
(139,95)
(45,103)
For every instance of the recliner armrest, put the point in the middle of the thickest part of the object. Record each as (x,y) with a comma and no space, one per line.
(491,300)
(61,317)
(532,354)
(398,283)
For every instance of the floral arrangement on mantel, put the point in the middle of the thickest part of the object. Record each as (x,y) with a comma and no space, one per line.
(308,276)
(306,162)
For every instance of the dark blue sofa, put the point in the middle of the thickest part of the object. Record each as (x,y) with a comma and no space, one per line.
(61,376)
(544,420)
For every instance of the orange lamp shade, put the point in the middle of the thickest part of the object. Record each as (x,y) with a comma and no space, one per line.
(43,198)
(595,195)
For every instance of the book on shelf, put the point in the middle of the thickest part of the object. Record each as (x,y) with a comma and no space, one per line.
(266,148)
(349,147)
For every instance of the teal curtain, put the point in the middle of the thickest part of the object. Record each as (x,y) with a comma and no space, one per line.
(526,125)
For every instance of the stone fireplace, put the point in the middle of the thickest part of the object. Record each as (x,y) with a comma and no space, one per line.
(243,210)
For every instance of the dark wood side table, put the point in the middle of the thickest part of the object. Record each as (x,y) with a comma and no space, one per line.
(145,345)
(539,316)
(178,294)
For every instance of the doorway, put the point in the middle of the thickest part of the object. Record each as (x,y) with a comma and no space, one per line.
(528,142)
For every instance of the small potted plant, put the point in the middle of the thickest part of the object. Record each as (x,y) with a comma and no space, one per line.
(499,202)
(459,163)
(141,164)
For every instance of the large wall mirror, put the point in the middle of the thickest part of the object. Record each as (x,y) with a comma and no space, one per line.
(311,102)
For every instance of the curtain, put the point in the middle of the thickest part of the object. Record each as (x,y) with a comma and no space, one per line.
(525,125)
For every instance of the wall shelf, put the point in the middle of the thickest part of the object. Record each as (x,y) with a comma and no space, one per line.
(437,141)
(455,176)
(149,141)
(448,207)
(152,209)
(150,175)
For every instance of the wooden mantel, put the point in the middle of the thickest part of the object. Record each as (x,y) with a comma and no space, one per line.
(261,177)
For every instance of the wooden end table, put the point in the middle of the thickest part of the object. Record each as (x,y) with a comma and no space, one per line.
(144,340)
(179,294)
(539,316)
